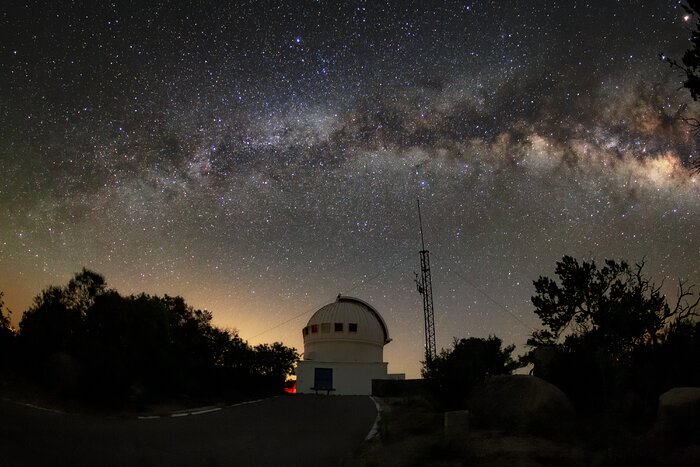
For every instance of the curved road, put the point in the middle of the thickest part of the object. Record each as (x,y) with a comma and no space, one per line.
(292,430)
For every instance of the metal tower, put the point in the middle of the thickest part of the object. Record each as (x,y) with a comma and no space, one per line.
(425,288)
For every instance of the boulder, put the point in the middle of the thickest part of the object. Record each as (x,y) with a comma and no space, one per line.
(679,411)
(520,403)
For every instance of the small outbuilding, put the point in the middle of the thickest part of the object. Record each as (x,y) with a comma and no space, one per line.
(343,349)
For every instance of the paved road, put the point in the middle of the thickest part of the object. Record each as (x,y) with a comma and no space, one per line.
(291,430)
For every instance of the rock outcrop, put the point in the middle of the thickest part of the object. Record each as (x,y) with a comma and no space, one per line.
(679,411)
(520,403)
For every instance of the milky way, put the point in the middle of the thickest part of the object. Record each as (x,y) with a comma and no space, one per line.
(260,158)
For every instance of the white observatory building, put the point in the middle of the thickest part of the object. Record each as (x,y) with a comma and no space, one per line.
(343,349)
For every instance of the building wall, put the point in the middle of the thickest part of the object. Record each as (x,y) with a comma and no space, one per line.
(334,350)
(349,378)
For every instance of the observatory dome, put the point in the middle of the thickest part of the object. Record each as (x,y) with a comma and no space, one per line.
(348,329)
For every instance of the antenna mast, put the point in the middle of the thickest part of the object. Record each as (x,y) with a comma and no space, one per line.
(425,288)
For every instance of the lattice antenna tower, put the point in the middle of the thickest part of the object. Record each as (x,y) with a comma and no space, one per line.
(425,288)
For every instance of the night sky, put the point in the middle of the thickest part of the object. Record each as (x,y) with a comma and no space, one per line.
(258,158)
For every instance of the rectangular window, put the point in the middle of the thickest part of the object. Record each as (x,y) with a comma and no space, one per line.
(325,327)
(314,328)
(306,331)
(338,327)
(352,327)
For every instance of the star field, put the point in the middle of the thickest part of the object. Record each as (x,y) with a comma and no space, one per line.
(259,158)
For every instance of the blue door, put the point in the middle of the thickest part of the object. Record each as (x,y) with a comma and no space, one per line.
(323,379)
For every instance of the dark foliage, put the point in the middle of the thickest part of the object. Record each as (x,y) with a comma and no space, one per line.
(8,338)
(690,63)
(454,372)
(616,303)
(610,340)
(96,345)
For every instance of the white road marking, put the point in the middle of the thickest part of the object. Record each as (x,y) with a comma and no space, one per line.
(43,408)
(375,428)
(38,407)
(197,409)
(247,402)
(199,412)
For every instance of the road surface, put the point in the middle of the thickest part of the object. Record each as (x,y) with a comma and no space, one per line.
(291,430)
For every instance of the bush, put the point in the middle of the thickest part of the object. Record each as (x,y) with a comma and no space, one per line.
(455,372)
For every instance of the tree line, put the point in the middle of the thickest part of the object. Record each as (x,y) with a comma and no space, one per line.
(88,342)
(609,338)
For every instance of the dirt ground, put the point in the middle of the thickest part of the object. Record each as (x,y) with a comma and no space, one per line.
(412,434)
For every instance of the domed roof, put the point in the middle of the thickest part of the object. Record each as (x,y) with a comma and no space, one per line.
(368,323)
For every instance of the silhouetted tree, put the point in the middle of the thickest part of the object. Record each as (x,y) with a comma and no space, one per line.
(52,327)
(616,302)
(47,328)
(141,348)
(83,289)
(128,348)
(690,63)
(599,323)
(454,372)
(4,320)
(7,339)
(274,363)
(673,363)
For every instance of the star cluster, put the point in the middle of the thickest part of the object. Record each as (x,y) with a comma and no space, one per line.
(259,158)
